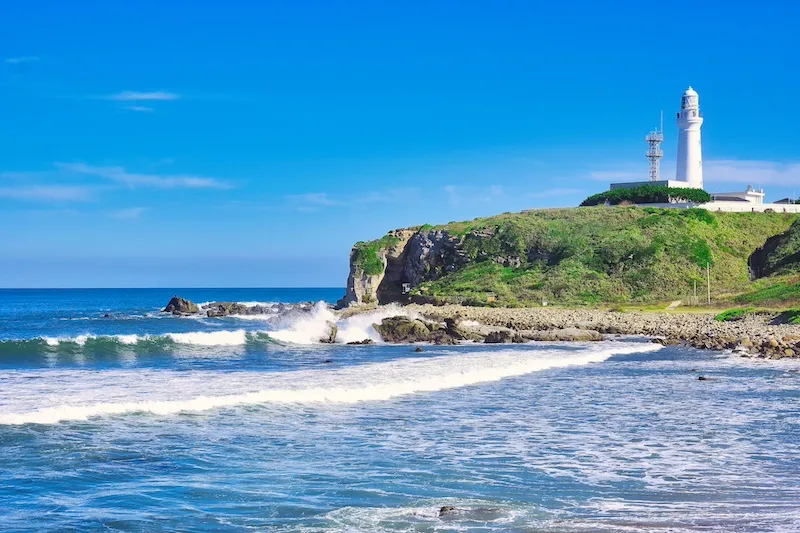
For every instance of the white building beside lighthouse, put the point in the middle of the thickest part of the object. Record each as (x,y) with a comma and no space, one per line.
(690,148)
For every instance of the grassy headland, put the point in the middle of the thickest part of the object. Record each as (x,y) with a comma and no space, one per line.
(603,256)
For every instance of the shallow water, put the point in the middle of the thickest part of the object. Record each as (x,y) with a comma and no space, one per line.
(252,434)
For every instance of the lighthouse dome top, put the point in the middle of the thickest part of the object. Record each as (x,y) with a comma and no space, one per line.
(690,92)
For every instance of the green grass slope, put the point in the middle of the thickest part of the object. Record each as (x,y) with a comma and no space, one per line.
(598,255)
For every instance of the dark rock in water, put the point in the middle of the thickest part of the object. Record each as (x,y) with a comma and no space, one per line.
(501,336)
(403,329)
(181,306)
(364,342)
(217,309)
(418,349)
(458,333)
(702,378)
(441,337)
(327,361)
(479,514)
(106,315)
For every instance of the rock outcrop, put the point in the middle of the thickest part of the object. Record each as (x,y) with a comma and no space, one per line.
(181,306)
(217,309)
(364,283)
(331,331)
(406,330)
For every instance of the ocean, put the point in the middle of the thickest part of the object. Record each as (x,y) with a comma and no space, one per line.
(115,417)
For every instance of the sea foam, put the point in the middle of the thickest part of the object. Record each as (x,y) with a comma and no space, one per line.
(310,326)
(365,383)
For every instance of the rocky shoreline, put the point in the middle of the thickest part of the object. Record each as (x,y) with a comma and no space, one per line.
(757,334)
(753,336)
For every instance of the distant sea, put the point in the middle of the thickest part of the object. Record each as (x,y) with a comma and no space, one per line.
(115,417)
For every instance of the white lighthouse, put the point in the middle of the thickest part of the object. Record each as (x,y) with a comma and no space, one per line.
(690,152)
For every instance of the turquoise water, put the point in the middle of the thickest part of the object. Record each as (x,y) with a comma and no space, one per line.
(140,421)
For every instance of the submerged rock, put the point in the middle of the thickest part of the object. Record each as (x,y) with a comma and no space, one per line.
(181,306)
(363,343)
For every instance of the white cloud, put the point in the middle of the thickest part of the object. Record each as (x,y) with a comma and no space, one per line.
(21,60)
(312,201)
(472,195)
(143,96)
(743,171)
(614,176)
(133,180)
(554,193)
(140,109)
(752,172)
(47,193)
(130,213)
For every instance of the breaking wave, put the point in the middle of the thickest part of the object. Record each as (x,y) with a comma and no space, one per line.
(90,341)
(309,327)
(365,383)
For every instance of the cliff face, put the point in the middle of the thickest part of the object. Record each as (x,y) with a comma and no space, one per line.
(375,264)
(566,256)
(779,254)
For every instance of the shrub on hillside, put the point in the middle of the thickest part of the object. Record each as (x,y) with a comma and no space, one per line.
(648,194)
(732,315)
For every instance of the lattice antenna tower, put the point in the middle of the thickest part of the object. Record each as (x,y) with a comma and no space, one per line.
(654,153)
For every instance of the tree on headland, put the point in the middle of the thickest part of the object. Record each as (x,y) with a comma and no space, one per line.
(648,194)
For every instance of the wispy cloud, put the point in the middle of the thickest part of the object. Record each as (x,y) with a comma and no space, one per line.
(47,193)
(135,180)
(315,198)
(311,201)
(742,171)
(554,193)
(143,96)
(472,195)
(752,172)
(130,213)
(140,109)
(21,60)
(315,201)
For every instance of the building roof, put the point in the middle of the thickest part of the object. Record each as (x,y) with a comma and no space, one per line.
(718,198)
(690,92)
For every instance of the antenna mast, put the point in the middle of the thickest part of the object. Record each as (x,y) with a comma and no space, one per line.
(654,153)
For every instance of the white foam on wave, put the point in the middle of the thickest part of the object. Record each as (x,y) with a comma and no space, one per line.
(197,338)
(128,339)
(80,340)
(210,338)
(364,383)
(309,327)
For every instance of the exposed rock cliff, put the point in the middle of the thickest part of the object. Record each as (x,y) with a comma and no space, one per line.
(374,264)
(779,255)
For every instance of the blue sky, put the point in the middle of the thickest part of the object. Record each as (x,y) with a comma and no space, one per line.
(247,143)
